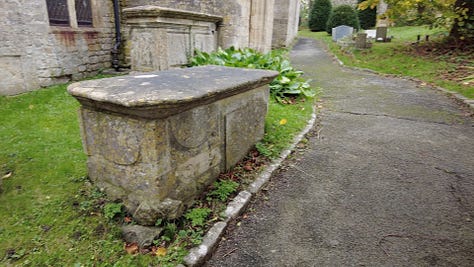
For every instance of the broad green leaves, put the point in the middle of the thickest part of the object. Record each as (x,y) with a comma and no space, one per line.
(288,83)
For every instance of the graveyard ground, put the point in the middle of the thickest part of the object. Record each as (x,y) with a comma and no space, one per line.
(51,214)
(433,62)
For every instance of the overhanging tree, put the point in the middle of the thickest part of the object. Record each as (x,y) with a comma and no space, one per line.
(367,17)
(456,15)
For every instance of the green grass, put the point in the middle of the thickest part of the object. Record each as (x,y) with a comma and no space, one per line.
(398,57)
(51,214)
(281,124)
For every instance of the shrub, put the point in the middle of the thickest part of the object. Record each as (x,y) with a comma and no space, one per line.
(288,83)
(343,15)
(367,17)
(318,17)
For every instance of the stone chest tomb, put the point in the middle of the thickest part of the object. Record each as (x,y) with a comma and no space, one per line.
(163,38)
(157,140)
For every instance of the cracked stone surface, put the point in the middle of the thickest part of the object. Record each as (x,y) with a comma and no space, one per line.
(387,181)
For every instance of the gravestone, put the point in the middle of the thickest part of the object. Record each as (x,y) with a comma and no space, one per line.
(381,34)
(371,34)
(341,31)
(361,41)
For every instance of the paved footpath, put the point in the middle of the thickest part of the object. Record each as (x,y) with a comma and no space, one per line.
(387,181)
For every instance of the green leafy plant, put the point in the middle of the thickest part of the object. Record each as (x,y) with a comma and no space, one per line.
(288,83)
(169,232)
(223,189)
(112,209)
(198,216)
(343,15)
(264,149)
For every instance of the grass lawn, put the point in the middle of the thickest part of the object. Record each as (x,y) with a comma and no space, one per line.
(51,214)
(442,67)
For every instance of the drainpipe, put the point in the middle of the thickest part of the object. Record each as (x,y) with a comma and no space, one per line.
(118,37)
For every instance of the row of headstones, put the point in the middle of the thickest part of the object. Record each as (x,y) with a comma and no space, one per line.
(339,32)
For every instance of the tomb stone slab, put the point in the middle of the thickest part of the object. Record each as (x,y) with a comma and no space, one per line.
(157,140)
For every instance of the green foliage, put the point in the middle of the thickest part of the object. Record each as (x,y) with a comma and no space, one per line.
(223,189)
(288,83)
(264,150)
(282,122)
(343,15)
(169,232)
(367,17)
(198,216)
(457,16)
(319,15)
(112,209)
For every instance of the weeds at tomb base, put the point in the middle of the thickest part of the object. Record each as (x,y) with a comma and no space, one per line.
(53,216)
(434,62)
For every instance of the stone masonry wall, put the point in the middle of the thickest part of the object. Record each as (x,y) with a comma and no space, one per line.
(235,26)
(35,54)
(246,23)
(285,22)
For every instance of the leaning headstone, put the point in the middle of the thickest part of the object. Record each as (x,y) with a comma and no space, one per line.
(341,32)
(381,34)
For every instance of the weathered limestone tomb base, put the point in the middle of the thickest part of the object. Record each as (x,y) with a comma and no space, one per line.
(157,140)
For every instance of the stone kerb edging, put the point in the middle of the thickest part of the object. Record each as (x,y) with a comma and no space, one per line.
(198,255)
(466,101)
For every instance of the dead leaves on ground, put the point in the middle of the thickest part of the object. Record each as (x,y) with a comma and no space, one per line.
(134,249)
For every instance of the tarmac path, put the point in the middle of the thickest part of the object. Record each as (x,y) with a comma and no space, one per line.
(387,180)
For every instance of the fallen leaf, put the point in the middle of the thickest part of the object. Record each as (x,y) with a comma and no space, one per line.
(161,251)
(131,248)
(31,107)
(127,219)
(248,167)
(8,175)
(283,121)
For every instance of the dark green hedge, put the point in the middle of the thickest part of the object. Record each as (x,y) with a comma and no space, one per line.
(318,17)
(343,15)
